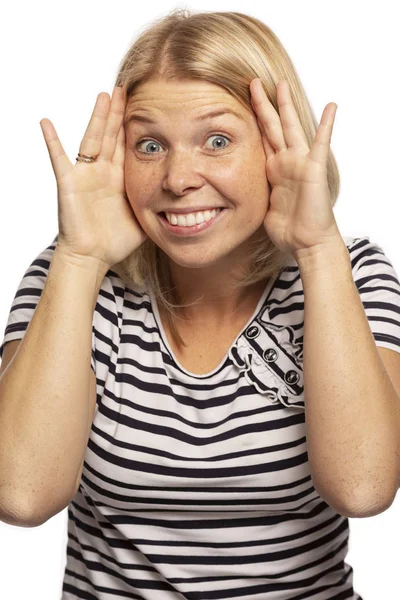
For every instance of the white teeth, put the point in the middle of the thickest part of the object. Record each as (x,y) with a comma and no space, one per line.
(191,218)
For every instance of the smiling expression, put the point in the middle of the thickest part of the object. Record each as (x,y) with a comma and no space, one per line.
(176,160)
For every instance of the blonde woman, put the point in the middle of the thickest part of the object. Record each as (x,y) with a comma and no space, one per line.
(200,366)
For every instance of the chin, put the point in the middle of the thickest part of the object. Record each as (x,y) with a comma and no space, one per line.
(200,260)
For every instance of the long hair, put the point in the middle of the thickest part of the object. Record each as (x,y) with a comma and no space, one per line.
(228,49)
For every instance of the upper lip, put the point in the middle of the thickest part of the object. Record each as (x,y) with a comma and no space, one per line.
(190,209)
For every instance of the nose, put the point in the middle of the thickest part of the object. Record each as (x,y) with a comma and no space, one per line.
(182,172)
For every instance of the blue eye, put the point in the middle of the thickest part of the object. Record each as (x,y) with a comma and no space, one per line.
(154,143)
(148,142)
(218,135)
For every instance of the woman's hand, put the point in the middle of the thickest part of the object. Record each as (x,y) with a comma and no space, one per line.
(95,218)
(300,214)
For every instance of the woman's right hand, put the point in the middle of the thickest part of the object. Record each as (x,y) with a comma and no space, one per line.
(95,219)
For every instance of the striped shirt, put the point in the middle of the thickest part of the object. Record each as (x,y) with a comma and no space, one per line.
(198,486)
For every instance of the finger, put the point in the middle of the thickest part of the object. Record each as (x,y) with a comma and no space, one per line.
(93,138)
(322,141)
(292,128)
(119,154)
(114,120)
(268,149)
(59,160)
(267,115)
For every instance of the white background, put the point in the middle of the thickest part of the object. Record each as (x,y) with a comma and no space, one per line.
(55,59)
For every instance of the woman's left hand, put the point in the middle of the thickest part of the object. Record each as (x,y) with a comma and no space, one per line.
(300,214)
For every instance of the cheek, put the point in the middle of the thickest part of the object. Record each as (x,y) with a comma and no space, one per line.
(138,186)
(252,183)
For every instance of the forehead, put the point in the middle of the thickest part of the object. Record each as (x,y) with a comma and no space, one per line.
(157,97)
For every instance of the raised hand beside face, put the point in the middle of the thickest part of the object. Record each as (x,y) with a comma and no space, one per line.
(300,214)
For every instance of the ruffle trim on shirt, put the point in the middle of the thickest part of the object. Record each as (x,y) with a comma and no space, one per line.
(272,361)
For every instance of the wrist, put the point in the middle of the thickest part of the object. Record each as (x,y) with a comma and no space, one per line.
(323,258)
(87,263)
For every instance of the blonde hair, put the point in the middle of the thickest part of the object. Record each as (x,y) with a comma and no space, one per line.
(228,49)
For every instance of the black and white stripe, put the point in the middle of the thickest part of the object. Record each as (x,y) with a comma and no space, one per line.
(198,486)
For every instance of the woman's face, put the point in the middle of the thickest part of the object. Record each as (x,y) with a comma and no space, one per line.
(182,161)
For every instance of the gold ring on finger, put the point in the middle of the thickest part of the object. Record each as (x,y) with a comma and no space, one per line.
(86,158)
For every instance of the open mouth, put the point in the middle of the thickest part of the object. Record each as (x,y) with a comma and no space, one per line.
(183,230)
(164,216)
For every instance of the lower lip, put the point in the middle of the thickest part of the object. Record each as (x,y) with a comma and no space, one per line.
(193,229)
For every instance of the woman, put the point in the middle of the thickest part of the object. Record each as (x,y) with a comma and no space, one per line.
(219,459)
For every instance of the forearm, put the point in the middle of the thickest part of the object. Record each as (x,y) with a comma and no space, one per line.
(351,406)
(44,391)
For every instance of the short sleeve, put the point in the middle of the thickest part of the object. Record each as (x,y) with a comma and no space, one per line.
(379,288)
(27,297)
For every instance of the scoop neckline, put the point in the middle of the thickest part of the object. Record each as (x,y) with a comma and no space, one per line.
(156,314)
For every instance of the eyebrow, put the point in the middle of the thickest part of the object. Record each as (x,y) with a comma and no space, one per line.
(208,115)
